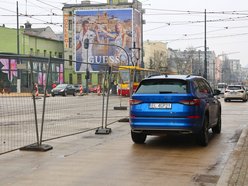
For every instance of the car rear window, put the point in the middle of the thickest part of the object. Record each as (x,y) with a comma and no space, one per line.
(162,86)
(234,87)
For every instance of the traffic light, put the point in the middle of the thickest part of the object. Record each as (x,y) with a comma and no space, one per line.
(86,43)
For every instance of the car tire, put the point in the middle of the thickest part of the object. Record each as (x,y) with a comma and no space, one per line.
(217,128)
(74,94)
(203,134)
(53,95)
(65,93)
(138,138)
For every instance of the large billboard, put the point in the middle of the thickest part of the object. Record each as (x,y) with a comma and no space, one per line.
(137,37)
(111,35)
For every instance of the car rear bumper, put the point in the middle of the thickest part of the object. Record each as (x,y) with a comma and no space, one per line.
(164,125)
(234,96)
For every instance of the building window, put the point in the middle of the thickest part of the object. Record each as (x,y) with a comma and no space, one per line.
(60,55)
(37,52)
(70,78)
(70,25)
(70,42)
(70,60)
(79,78)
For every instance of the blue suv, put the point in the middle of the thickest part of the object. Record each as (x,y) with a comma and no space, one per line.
(174,103)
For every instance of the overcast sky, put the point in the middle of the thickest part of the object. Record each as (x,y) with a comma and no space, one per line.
(179,23)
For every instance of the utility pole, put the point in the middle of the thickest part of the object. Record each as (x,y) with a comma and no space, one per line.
(18,84)
(87,74)
(17,28)
(205,46)
(134,54)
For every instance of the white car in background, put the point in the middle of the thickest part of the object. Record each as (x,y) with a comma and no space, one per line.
(235,92)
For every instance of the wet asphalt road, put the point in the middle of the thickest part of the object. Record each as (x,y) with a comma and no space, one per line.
(89,159)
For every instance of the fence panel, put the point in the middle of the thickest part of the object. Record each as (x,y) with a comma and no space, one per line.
(67,115)
(30,115)
(17,115)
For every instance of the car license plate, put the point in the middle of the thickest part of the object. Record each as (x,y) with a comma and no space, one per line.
(160,105)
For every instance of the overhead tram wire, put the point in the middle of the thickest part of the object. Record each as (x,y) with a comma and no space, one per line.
(178,23)
(210,20)
(200,38)
(32,17)
(198,12)
(48,4)
(39,6)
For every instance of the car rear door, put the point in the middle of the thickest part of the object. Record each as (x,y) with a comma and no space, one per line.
(70,89)
(211,103)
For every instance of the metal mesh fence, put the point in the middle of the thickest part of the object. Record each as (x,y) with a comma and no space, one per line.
(17,122)
(29,114)
(69,115)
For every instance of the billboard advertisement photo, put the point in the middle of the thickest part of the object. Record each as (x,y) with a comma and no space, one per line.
(110,36)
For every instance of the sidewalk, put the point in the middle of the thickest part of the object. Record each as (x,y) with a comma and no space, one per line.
(236,168)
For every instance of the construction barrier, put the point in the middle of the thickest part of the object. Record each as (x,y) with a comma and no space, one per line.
(81,90)
(99,90)
(36,90)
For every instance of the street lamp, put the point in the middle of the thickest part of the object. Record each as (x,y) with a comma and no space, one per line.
(87,75)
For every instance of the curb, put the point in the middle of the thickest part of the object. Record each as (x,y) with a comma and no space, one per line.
(231,163)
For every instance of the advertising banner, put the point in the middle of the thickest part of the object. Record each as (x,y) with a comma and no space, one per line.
(137,37)
(110,36)
(66,29)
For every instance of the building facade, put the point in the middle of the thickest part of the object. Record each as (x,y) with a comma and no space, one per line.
(155,56)
(39,43)
(106,45)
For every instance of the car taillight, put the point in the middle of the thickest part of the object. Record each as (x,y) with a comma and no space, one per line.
(134,101)
(194,117)
(191,102)
(132,116)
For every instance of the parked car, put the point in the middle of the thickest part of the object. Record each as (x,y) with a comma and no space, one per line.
(77,87)
(175,103)
(235,92)
(63,90)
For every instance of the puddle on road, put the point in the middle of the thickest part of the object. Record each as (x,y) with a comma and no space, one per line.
(203,178)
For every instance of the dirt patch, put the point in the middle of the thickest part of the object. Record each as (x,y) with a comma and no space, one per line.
(203,178)
(235,137)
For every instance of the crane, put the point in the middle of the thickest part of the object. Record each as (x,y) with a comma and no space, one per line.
(225,54)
